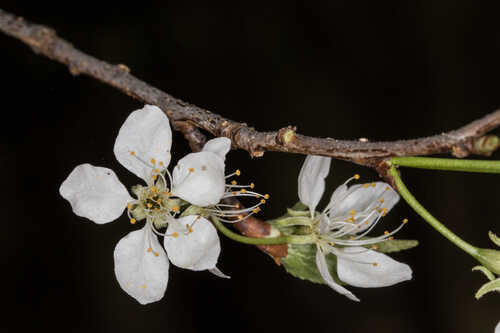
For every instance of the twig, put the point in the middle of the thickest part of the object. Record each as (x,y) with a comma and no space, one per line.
(187,118)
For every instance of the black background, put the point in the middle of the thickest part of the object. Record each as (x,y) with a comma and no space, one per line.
(383,70)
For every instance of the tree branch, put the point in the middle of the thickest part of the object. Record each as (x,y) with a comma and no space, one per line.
(188,118)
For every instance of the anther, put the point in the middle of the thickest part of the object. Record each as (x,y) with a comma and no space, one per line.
(356,176)
(191,169)
(256,210)
(235,193)
(132,153)
(386,232)
(352,212)
(149,250)
(262,201)
(153,161)
(156,254)
(189,229)
(374,247)
(366,185)
(154,177)
(243,190)
(240,217)
(156,170)
(234,182)
(332,244)
(161,163)
(149,205)
(375,264)
(387,188)
(381,200)
(129,206)
(175,235)
(175,208)
(252,185)
(238,172)
(143,286)
(390,238)
(266,196)
(373,184)
(405,220)
(132,221)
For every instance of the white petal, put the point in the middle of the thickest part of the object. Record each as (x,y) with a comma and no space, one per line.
(219,146)
(217,272)
(199,178)
(497,329)
(312,180)
(95,193)
(198,250)
(355,267)
(337,197)
(363,198)
(325,274)
(141,273)
(147,134)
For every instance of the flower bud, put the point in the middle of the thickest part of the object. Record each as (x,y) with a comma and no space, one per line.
(490,259)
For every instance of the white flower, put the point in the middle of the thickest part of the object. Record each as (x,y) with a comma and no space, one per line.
(143,147)
(497,329)
(348,218)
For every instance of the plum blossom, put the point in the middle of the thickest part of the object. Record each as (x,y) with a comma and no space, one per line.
(342,227)
(191,242)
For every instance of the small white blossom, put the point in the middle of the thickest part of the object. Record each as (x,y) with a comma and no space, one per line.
(346,221)
(143,147)
(497,329)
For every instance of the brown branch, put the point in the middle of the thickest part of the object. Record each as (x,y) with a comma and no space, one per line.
(187,118)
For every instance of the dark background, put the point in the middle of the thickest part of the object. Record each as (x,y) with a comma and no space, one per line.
(383,70)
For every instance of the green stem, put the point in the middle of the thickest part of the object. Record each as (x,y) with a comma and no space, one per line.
(410,199)
(447,164)
(291,239)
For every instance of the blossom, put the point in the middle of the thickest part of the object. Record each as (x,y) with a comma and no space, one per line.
(191,242)
(497,329)
(342,227)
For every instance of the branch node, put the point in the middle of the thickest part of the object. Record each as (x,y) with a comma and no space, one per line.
(286,135)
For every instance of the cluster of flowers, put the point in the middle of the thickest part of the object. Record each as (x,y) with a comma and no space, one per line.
(198,180)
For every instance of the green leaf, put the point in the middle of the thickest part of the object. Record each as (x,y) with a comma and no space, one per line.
(488,287)
(396,245)
(485,271)
(494,238)
(301,263)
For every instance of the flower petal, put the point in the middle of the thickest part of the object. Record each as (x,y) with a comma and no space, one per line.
(199,178)
(497,329)
(197,250)
(312,180)
(219,146)
(217,272)
(370,269)
(325,274)
(146,134)
(95,193)
(143,274)
(362,199)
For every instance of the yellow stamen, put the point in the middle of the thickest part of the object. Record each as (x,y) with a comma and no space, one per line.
(132,220)
(238,172)
(387,188)
(366,185)
(235,193)
(156,254)
(132,153)
(156,170)
(375,264)
(375,247)
(252,185)
(149,250)
(143,286)
(240,217)
(189,229)
(262,201)
(191,169)
(153,161)
(175,208)
(405,220)
(373,184)
(381,200)
(129,206)
(356,176)
(154,177)
(234,182)
(256,210)
(352,212)
(391,238)
(332,244)
(149,205)
(161,163)
(386,232)
(175,235)
(243,190)
(266,196)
